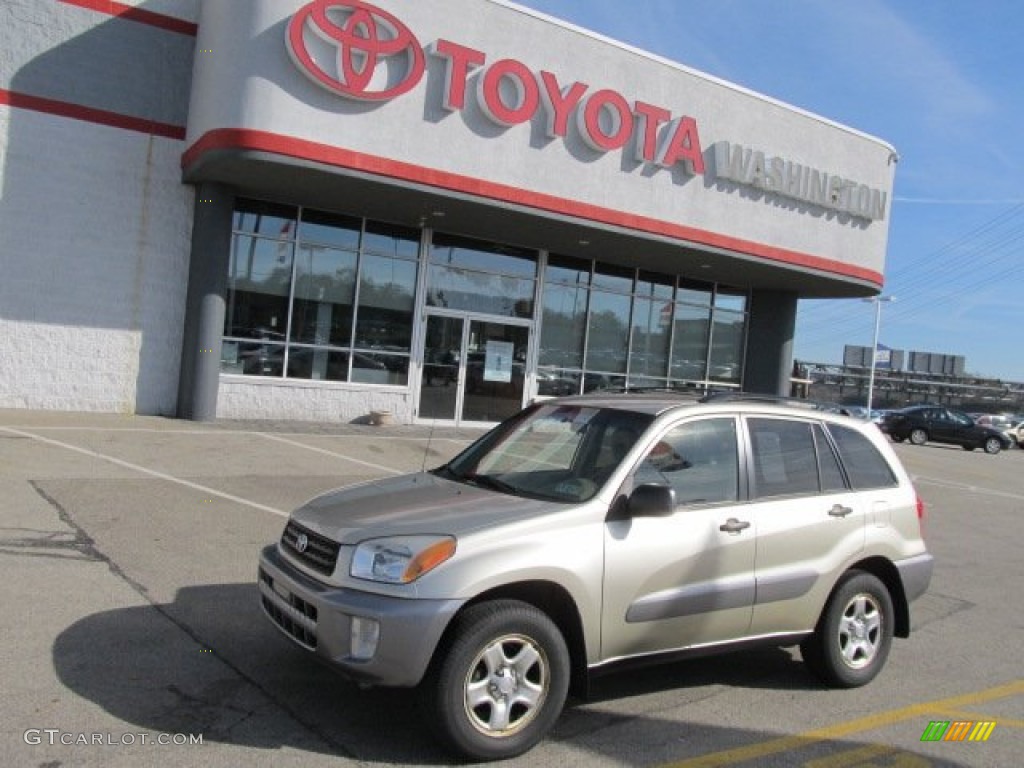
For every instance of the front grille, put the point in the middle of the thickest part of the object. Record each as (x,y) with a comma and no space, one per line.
(321,554)
(291,613)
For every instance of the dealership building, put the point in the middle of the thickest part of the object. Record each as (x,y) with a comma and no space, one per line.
(436,210)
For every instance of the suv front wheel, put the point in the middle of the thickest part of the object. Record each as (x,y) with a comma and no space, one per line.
(852,640)
(500,683)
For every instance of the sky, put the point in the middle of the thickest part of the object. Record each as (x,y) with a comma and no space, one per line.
(940,81)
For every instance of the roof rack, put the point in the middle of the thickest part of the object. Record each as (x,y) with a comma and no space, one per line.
(754,397)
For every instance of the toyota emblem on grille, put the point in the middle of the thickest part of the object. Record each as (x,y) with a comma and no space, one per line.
(301,543)
(355,49)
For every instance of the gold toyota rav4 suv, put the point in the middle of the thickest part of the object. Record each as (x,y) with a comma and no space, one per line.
(587,531)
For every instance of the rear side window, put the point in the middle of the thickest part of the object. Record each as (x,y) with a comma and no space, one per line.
(785,462)
(864,464)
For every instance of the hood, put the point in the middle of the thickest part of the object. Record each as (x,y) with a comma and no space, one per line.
(414,504)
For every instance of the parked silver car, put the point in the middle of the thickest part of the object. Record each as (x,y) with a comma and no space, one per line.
(593,530)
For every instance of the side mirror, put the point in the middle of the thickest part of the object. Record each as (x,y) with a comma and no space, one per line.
(652,500)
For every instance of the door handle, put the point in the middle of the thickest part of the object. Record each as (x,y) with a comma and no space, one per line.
(732,525)
(840,511)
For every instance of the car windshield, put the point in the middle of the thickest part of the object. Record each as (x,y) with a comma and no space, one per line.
(556,452)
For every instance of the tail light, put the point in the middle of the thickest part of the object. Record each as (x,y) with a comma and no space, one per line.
(920,514)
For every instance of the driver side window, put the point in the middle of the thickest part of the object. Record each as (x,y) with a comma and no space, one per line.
(698,459)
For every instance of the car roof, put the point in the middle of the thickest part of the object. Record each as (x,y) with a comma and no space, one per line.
(656,402)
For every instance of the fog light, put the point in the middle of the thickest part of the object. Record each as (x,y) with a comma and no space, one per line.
(365,636)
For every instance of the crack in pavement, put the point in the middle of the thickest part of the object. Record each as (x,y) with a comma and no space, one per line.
(86,545)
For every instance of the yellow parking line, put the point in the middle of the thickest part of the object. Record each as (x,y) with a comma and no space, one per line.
(840,730)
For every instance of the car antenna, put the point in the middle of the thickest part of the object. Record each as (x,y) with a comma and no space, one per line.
(426,451)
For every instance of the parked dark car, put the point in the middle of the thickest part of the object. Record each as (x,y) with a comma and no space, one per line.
(921,423)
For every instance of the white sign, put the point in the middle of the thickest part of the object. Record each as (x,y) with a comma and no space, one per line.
(498,361)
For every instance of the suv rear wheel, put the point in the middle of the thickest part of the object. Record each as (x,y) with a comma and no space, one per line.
(852,640)
(499,685)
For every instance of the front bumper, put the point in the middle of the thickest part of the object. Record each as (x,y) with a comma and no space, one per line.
(318,617)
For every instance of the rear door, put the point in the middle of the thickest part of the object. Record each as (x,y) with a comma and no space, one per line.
(810,524)
(687,578)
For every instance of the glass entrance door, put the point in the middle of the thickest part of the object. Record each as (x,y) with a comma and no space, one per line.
(473,369)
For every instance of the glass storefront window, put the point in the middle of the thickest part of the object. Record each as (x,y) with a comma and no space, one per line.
(330,229)
(734,299)
(325,281)
(317,363)
(482,256)
(259,284)
(608,337)
(389,240)
(727,347)
(387,289)
(483,292)
(563,325)
(256,217)
(695,292)
(655,285)
(567,270)
(293,304)
(613,278)
(652,328)
(690,343)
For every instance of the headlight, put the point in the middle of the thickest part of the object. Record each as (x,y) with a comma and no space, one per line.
(400,559)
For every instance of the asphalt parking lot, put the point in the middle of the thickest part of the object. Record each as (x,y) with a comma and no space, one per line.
(127,566)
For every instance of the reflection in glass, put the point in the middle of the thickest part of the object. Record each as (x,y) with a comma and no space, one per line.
(386,291)
(252,359)
(464,289)
(495,371)
(608,337)
(380,369)
(260,218)
(258,285)
(731,298)
(554,382)
(442,351)
(565,269)
(563,325)
(483,256)
(330,229)
(655,285)
(324,294)
(727,347)
(695,292)
(390,240)
(652,326)
(613,278)
(317,363)
(690,343)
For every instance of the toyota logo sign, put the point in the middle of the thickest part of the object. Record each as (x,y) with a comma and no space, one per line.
(301,543)
(355,49)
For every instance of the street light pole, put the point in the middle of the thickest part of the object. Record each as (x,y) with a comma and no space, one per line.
(877,301)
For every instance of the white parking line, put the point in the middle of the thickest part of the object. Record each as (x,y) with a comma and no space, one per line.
(924,479)
(370,464)
(146,471)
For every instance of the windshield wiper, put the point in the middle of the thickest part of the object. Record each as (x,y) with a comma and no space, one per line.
(491,482)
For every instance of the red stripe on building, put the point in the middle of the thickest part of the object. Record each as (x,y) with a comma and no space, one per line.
(131,13)
(244,139)
(91,115)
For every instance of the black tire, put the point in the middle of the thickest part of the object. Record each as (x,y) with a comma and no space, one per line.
(992,445)
(969,447)
(918,436)
(851,643)
(499,683)
(898,438)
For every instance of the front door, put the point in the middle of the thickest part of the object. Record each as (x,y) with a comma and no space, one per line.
(474,369)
